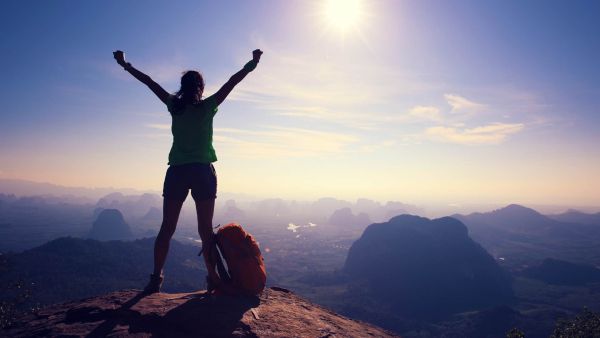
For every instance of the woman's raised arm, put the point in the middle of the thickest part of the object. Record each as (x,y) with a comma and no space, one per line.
(222,93)
(162,94)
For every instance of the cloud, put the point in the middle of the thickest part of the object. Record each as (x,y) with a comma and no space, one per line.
(337,92)
(160,126)
(462,104)
(493,133)
(375,147)
(276,141)
(426,112)
(346,118)
(163,130)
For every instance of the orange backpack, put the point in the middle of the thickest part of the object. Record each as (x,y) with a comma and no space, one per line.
(245,264)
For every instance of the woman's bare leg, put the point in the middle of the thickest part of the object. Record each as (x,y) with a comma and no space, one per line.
(171,210)
(204,210)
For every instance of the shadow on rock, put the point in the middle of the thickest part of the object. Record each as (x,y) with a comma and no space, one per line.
(201,315)
(211,316)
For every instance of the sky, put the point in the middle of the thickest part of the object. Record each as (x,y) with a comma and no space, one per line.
(415,101)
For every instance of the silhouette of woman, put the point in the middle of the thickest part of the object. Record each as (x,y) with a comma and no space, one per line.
(190,159)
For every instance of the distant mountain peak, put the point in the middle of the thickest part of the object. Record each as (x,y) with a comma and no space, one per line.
(110,225)
(517,208)
(407,217)
(577,216)
(513,217)
(443,225)
(518,212)
(345,217)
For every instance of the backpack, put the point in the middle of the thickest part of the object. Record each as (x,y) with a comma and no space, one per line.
(245,273)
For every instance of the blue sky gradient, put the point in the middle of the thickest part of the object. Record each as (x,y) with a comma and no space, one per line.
(461,101)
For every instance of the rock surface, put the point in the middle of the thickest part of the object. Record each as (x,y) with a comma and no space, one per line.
(277,313)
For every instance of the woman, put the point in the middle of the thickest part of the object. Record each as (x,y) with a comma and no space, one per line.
(190,159)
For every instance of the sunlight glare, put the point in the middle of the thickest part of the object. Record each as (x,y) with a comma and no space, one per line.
(343,14)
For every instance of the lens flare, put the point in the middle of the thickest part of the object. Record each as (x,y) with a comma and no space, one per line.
(343,15)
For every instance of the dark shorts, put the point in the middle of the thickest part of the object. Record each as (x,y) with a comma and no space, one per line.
(200,177)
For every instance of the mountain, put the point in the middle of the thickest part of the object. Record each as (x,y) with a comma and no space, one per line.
(132,206)
(277,313)
(496,322)
(554,271)
(575,216)
(153,214)
(426,268)
(70,268)
(382,212)
(232,212)
(522,236)
(110,225)
(512,217)
(276,207)
(324,206)
(85,195)
(344,217)
(30,221)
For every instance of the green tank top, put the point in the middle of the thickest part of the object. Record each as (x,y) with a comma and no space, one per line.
(192,130)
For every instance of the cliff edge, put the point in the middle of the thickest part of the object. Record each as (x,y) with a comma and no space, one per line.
(277,313)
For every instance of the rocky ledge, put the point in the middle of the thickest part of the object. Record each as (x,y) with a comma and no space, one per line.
(276,313)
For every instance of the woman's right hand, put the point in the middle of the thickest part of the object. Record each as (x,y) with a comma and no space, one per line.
(120,57)
(256,54)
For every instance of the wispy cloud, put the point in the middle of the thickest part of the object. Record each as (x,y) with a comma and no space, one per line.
(364,101)
(430,113)
(160,126)
(465,123)
(462,104)
(375,147)
(275,141)
(493,133)
(313,87)
(342,117)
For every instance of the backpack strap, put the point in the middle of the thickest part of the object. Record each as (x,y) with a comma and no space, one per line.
(217,258)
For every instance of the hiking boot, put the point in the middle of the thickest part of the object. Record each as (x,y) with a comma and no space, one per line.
(154,284)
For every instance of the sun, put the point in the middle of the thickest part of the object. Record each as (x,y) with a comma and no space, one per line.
(343,15)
